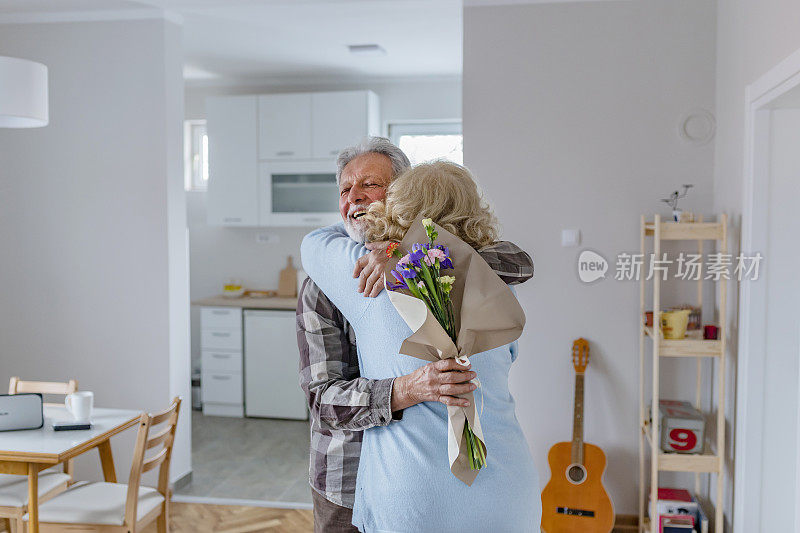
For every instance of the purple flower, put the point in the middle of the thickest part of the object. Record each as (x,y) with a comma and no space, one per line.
(407,272)
(398,277)
(396,286)
(416,255)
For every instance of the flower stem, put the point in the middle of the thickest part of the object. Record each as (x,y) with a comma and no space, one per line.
(475,452)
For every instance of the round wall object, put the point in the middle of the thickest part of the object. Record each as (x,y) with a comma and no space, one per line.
(698,126)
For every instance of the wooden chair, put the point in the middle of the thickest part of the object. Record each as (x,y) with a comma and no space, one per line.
(17,386)
(117,507)
(14,488)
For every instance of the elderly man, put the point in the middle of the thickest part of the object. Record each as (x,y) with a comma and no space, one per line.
(342,403)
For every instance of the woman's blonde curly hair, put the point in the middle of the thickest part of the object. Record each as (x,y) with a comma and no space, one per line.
(440,190)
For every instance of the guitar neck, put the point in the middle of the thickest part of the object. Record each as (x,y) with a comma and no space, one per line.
(577,422)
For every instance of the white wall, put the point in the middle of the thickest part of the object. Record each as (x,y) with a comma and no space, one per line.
(93,232)
(752,37)
(217,254)
(570,121)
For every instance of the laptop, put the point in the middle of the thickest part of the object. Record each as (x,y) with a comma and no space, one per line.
(21,411)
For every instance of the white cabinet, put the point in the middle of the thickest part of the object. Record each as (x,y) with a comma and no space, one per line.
(250,363)
(226,391)
(221,353)
(284,126)
(341,119)
(221,361)
(271,362)
(250,134)
(292,197)
(232,161)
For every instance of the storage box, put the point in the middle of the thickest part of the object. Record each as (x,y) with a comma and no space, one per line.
(682,427)
(673,503)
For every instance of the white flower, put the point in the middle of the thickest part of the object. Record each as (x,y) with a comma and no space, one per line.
(427,222)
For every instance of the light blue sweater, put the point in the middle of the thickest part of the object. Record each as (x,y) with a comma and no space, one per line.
(404,481)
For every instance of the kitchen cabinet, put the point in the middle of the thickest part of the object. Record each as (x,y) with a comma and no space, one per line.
(232,161)
(340,119)
(284,126)
(292,197)
(221,357)
(271,359)
(249,135)
(250,363)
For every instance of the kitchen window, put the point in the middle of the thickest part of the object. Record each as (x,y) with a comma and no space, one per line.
(426,141)
(195,149)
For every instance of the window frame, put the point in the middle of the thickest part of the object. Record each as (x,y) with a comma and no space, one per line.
(397,128)
(195,154)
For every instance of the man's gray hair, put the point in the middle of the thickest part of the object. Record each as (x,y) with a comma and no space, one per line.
(373,145)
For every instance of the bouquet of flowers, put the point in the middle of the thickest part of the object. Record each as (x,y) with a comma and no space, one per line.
(420,273)
(465,311)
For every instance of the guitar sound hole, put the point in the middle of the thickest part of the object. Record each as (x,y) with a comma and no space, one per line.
(576,474)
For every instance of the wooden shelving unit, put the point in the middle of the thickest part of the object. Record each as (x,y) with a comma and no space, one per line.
(711,460)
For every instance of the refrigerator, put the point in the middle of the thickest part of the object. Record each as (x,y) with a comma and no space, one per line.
(271,362)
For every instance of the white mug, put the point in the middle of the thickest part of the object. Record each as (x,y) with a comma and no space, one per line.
(80,404)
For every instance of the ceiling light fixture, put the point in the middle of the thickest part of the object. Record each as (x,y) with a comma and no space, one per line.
(23,93)
(366,49)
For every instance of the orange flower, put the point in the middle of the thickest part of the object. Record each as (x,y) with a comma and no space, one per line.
(391,248)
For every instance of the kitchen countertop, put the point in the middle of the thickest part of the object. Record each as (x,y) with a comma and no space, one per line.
(247,302)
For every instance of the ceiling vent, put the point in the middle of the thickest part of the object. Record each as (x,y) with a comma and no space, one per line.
(366,49)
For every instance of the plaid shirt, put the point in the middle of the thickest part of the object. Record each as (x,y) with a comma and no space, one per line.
(342,403)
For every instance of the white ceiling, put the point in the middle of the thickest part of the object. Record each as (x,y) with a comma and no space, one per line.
(239,40)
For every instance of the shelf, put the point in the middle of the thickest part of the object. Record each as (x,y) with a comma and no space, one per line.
(682,462)
(688,231)
(692,346)
(653,460)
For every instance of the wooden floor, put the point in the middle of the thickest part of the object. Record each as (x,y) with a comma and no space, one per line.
(201,518)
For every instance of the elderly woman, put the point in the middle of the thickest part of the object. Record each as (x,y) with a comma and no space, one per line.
(404,481)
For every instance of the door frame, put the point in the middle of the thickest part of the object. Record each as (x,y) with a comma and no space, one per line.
(750,386)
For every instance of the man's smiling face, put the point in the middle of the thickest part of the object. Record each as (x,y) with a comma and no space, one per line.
(364,180)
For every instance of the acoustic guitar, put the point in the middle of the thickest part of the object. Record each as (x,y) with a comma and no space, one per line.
(574,500)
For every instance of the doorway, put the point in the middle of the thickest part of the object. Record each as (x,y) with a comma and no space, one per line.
(767,459)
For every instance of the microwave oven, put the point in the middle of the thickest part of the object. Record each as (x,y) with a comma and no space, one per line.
(298,193)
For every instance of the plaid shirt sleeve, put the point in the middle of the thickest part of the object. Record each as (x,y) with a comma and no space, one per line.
(509,261)
(337,396)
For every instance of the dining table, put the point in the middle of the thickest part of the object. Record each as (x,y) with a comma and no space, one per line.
(28,452)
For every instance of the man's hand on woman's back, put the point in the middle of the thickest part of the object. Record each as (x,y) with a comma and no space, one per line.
(369,269)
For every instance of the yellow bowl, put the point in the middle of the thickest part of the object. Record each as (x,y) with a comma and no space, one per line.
(673,323)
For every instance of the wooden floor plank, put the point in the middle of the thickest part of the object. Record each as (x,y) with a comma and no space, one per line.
(202,518)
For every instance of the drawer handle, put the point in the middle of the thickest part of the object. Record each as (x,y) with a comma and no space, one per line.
(220,356)
(285,152)
(312,219)
(220,312)
(221,334)
(232,219)
(221,378)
